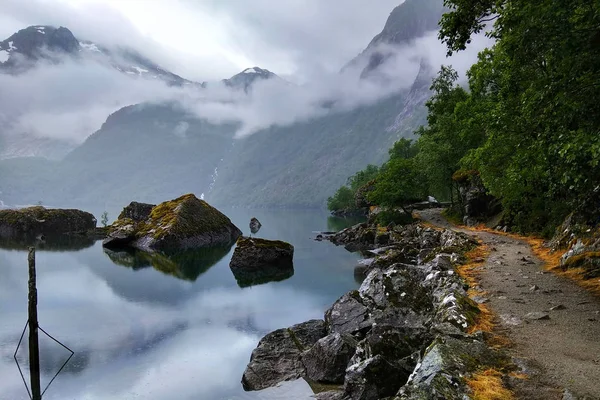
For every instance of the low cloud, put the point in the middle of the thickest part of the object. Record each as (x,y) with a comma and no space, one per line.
(70,101)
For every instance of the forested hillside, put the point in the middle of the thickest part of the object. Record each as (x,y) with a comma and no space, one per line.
(527,123)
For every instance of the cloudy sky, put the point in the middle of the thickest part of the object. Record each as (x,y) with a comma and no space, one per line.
(214,39)
(306,42)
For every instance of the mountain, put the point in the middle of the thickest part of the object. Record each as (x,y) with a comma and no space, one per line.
(409,21)
(302,164)
(35,45)
(151,152)
(245,79)
(25,48)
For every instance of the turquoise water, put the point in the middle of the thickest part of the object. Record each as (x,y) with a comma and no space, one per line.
(183,331)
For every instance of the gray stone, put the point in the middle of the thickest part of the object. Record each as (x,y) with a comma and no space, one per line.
(327,360)
(255,253)
(277,357)
(330,395)
(348,315)
(137,211)
(446,361)
(373,379)
(180,224)
(537,315)
(38,222)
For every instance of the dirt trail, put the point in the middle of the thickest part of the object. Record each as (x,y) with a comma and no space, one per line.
(558,345)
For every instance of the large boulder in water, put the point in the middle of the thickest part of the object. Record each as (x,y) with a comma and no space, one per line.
(277,357)
(184,223)
(253,254)
(33,222)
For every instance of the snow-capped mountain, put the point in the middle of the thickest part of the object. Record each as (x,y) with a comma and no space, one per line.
(25,48)
(38,45)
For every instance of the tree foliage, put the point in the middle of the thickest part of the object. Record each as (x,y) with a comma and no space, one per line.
(529,120)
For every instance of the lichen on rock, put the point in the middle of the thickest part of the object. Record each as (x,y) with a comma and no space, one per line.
(184,223)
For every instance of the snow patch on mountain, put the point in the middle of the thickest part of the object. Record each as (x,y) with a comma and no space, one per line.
(4,56)
(139,70)
(89,46)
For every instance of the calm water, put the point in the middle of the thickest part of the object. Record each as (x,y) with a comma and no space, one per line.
(182,331)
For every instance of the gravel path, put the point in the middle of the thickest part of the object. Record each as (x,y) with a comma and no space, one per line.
(553,324)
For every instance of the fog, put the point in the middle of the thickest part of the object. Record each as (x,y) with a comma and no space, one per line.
(71,100)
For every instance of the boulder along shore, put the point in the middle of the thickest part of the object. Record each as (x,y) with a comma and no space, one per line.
(406,333)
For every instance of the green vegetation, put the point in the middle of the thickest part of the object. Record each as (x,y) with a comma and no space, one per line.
(529,121)
(345,197)
(104,219)
(386,217)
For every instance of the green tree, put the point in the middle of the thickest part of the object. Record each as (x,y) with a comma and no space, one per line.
(104,219)
(399,183)
(342,199)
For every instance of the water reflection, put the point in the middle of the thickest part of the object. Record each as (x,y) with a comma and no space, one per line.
(49,243)
(335,224)
(141,334)
(266,274)
(186,265)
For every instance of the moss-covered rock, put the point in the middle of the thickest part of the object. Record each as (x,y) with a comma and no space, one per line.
(253,254)
(184,223)
(36,222)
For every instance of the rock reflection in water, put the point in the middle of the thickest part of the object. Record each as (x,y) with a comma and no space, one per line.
(50,243)
(266,274)
(187,265)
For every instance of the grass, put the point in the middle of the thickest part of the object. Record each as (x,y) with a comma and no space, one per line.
(485,320)
(488,385)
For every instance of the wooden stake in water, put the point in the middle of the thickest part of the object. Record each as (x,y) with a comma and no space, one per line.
(34,350)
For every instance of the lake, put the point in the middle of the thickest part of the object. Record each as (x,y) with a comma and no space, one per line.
(184,331)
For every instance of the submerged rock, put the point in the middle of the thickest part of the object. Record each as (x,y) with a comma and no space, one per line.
(184,223)
(38,222)
(277,357)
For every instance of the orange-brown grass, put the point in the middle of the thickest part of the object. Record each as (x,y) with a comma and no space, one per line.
(470,272)
(550,258)
(487,385)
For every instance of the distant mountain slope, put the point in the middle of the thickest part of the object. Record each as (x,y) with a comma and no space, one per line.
(30,47)
(302,164)
(153,152)
(25,48)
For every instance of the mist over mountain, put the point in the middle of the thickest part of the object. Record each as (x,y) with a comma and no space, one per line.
(253,139)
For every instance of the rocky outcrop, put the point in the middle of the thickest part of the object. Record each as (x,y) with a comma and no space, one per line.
(402,334)
(137,212)
(258,260)
(40,222)
(277,357)
(184,223)
(476,204)
(327,359)
(579,239)
(256,252)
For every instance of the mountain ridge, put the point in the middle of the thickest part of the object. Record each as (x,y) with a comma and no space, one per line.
(298,164)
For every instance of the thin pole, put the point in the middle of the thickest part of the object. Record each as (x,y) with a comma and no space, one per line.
(34,350)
